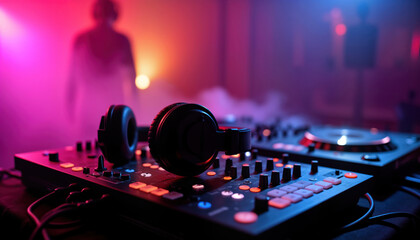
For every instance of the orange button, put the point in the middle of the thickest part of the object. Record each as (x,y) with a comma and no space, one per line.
(211,173)
(227,178)
(137,185)
(67,165)
(350,175)
(77,169)
(147,164)
(279,202)
(148,188)
(279,165)
(289,165)
(245,217)
(255,189)
(154,166)
(244,187)
(159,192)
(275,159)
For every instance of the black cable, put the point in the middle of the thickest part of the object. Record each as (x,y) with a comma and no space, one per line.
(48,218)
(393,215)
(36,203)
(411,191)
(8,173)
(363,218)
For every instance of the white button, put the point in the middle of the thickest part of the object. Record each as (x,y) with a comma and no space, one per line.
(294,198)
(238,196)
(314,188)
(275,193)
(325,185)
(288,188)
(332,180)
(304,193)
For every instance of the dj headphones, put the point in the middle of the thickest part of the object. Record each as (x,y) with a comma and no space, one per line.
(184,138)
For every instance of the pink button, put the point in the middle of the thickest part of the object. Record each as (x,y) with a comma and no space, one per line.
(324,185)
(314,188)
(245,217)
(294,198)
(275,193)
(279,202)
(332,180)
(304,193)
(288,188)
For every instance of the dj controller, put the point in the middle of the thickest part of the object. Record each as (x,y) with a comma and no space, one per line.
(282,180)
(242,196)
(378,153)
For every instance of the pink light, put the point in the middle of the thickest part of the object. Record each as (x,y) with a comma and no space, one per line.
(340,29)
(415,46)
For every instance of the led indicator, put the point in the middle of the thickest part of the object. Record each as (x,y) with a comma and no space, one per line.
(204,205)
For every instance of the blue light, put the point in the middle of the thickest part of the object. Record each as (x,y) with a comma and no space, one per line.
(204,205)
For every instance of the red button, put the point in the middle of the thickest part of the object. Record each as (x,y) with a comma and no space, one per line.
(246,217)
(350,175)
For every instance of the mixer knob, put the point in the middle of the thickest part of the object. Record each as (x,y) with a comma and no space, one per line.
(275,178)
(263,184)
(233,172)
(143,153)
(285,158)
(314,166)
(228,164)
(261,204)
(296,171)
(101,165)
(242,156)
(53,157)
(287,174)
(254,154)
(216,163)
(88,145)
(245,171)
(79,146)
(270,164)
(258,166)
(311,147)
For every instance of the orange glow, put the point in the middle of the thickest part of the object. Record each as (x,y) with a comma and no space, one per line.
(142,82)
(211,173)
(227,178)
(289,165)
(244,187)
(279,165)
(340,29)
(266,132)
(255,189)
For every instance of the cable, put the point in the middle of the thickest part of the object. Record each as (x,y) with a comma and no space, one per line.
(411,191)
(47,219)
(393,215)
(36,203)
(363,218)
(9,173)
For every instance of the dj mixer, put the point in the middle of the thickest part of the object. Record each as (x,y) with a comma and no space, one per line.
(244,196)
(383,154)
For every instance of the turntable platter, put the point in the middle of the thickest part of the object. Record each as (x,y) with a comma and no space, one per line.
(347,140)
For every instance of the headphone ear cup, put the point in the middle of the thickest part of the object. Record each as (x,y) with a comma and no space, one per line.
(182,138)
(117,134)
(153,130)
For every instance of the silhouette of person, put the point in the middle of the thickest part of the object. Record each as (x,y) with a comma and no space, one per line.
(102,70)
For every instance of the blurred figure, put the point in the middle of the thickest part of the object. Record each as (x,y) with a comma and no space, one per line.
(102,71)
